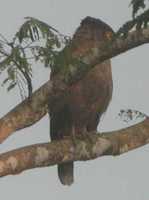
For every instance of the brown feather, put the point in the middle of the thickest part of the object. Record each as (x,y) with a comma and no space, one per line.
(87,99)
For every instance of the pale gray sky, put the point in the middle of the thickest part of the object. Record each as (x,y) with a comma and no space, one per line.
(115,178)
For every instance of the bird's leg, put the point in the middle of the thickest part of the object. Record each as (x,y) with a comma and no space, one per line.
(73,135)
(73,132)
(82,133)
(87,135)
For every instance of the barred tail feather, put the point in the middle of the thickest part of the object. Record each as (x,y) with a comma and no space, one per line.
(65,173)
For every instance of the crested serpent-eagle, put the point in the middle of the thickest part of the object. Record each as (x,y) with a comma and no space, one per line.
(88,98)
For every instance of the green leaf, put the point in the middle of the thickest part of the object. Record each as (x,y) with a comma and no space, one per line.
(34,29)
(34,40)
(136,6)
(11,86)
(5,81)
(141,21)
(128,115)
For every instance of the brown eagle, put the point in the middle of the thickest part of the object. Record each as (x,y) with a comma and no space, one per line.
(88,98)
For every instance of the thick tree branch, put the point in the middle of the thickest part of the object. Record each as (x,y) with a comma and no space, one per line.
(47,154)
(26,113)
(115,46)
(31,110)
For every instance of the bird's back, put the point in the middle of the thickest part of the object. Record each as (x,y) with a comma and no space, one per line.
(86,99)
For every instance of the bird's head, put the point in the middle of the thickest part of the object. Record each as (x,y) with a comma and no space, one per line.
(91,33)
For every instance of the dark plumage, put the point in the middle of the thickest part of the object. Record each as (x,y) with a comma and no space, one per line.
(89,98)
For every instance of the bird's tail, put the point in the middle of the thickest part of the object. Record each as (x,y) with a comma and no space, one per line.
(65,173)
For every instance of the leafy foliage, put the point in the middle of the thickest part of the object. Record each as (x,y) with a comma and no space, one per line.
(130,114)
(137,23)
(33,29)
(136,6)
(140,17)
(15,63)
(34,41)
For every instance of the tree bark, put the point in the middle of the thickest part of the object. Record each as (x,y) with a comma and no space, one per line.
(26,113)
(85,148)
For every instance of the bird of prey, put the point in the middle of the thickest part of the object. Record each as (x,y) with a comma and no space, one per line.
(87,98)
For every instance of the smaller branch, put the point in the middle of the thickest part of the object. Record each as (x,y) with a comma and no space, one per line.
(26,113)
(20,82)
(85,148)
(32,109)
(26,76)
(4,39)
